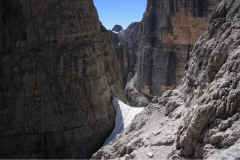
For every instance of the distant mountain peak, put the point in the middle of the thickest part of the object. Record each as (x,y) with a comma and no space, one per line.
(117,28)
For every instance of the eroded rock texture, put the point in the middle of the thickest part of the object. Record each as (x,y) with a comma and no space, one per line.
(58,74)
(121,51)
(212,84)
(126,44)
(156,50)
(201,118)
(169,30)
(130,38)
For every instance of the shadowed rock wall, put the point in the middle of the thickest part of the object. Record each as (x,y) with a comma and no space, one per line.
(58,74)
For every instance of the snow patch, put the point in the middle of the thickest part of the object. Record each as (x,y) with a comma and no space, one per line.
(116,32)
(124,116)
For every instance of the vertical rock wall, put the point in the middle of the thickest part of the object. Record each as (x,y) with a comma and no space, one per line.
(169,30)
(58,74)
(126,43)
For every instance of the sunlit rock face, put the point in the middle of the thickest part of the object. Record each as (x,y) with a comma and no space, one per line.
(156,50)
(58,74)
(169,30)
(200,119)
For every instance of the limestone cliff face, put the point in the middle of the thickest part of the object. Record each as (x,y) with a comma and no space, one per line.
(212,89)
(126,44)
(201,118)
(121,51)
(169,30)
(58,74)
(130,38)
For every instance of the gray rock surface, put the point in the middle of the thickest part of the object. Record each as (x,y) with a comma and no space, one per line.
(126,44)
(201,118)
(115,35)
(212,82)
(58,74)
(169,30)
(134,97)
(157,49)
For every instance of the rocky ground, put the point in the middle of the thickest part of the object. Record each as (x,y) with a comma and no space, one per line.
(201,118)
(150,136)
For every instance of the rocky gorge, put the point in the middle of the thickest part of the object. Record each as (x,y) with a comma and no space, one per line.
(162,42)
(200,118)
(66,81)
(154,52)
